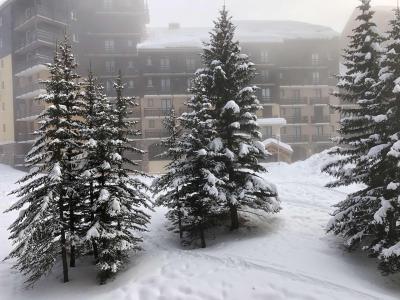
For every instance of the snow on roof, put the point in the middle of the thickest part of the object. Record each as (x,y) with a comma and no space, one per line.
(246,32)
(271,121)
(272,141)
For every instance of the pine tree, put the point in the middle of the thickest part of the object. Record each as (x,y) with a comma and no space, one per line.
(119,198)
(384,172)
(48,196)
(215,165)
(236,146)
(362,135)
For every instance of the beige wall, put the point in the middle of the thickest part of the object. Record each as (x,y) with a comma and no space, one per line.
(6,101)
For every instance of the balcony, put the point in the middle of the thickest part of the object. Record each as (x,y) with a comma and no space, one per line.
(293,101)
(36,63)
(38,38)
(29,114)
(321,119)
(320,100)
(295,138)
(25,137)
(156,133)
(41,13)
(134,114)
(296,119)
(322,138)
(30,91)
(156,112)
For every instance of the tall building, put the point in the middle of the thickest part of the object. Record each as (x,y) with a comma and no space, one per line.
(295,66)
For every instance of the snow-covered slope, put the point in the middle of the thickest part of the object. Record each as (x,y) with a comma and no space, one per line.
(286,256)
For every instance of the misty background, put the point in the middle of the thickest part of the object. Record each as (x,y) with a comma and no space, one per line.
(194,13)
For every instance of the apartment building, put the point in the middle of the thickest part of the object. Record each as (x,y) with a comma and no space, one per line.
(295,66)
(103,33)
(295,63)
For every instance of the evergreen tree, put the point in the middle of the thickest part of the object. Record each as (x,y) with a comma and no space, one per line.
(215,163)
(384,172)
(236,145)
(48,196)
(362,137)
(119,199)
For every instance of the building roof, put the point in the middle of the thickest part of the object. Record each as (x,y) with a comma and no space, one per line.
(246,32)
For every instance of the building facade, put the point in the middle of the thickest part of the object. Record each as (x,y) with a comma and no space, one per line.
(295,66)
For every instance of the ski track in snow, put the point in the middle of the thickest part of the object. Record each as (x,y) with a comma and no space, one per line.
(284,256)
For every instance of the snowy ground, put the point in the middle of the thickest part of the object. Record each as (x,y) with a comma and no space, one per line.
(286,256)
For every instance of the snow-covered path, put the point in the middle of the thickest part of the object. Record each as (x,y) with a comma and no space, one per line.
(286,256)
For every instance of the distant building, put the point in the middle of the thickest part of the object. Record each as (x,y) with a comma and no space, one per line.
(295,66)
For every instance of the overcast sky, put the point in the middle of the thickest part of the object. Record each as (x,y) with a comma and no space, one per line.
(333,13)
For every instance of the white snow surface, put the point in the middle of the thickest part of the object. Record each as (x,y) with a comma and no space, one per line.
(284,256)
(246,32)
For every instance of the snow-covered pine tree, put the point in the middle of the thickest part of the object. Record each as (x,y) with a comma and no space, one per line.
(236,146)
(362,135)
(119,199)
(45,227)
(385,173)
(188,188)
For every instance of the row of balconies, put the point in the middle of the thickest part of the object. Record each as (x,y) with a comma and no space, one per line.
(307,119)
(37,37)
(29,14)
(36,59)
(306,138)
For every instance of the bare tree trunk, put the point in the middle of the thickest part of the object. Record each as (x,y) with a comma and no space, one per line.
(72,231)
(234,217)
(63,241)
(202,238)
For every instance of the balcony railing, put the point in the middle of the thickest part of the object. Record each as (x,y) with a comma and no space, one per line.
(33,111)
(43,11)
(321,119)
(156,133)
(320,100)
(296,119)
(295,138)
(34,86)
(35,60)
(156,112)
(322,138)
(290,101)
(38,36)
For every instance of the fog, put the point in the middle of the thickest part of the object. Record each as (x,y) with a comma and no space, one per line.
(202,12)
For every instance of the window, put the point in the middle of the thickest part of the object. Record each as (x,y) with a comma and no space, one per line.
(315,59)
(150,102)
(3,106)
(166,105)
(107,4)
(152,124)
(320,130)
(74,16)
(75,38)
(149,82)
(108,85)
(315,77)
(109,45)
(296,94)
(283,111)
(190,64)
(130,64)
(282,93)
(189,83)
(4,127)
(268,131)
(165,64)
(131,44)
(2,85)
(131,84)
(318,93)
(266,93)
(110,66)
(297,130)
(1,21)
(1,43)
(264,56)
(165,84)
(265,74)
(149,62)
